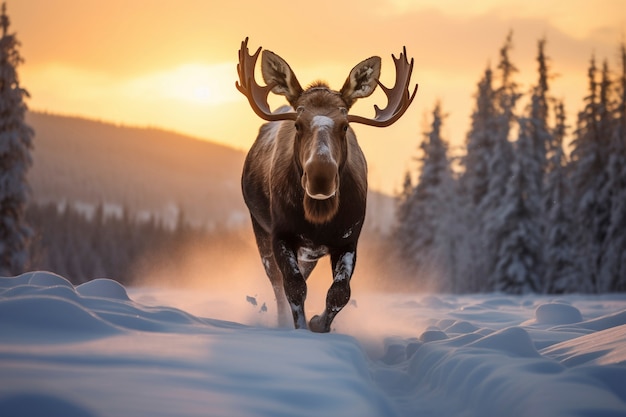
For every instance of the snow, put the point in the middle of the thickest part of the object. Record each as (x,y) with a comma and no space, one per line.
(100,349)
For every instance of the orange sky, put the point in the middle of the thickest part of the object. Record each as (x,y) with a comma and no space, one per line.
(172,64)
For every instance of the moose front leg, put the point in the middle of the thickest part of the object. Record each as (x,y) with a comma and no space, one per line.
(293,280)
(339,293)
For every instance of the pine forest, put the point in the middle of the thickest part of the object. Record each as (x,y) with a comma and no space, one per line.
(522,214)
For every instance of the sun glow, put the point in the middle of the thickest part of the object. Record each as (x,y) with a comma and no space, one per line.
(199,84)
(196,83)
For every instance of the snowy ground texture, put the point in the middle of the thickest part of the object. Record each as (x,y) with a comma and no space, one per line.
(99,349)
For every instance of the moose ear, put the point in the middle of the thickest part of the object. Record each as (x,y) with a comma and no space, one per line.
(278,73)
(362,80)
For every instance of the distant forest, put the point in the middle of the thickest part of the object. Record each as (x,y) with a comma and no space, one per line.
(521,215)
(81,246)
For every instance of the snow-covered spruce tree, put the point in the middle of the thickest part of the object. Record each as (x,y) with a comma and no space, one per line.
(606,127)
(427,251)
(562,266)
(583,167)
(15,159)
(479,142)
(589,159)
(518,232)
(474,184)
(540,133)
(499,165)
(531,149)
(612,274)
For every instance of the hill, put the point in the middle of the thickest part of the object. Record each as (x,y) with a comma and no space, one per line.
(143,169)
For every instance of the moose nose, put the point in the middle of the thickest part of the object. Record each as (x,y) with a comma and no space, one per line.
(320,179)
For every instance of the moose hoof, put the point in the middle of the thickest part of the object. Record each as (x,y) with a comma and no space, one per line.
(318,325)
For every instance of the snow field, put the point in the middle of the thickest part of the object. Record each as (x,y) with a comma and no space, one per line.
(93,350)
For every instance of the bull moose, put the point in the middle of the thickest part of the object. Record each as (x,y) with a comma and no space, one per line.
(304,179)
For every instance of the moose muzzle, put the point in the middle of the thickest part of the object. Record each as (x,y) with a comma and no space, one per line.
(320,179)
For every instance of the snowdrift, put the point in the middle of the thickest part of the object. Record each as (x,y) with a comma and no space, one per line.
(95,350)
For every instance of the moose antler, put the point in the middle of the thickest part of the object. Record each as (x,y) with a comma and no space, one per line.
(257,95)
(398,98)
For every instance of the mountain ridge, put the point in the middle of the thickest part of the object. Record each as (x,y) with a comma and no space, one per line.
(143,169)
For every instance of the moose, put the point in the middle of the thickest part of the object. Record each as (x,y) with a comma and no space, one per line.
(304,179)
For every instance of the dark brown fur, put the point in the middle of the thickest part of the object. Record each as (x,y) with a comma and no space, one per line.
(285,219)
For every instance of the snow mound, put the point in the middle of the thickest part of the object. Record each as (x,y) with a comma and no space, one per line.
(513,341)
(46,279)
(40,316)
(461,327)
(38,278)
(102,287)
(557,313)
(605,347)
(432,335)
(44,305)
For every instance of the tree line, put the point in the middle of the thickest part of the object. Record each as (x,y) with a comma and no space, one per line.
(521,214)
(81,246)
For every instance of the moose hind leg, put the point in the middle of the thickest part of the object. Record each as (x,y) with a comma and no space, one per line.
(276,280)
(263,241)
(339,292)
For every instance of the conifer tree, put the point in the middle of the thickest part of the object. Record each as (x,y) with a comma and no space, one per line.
(427,222)
(584,161)
(588,169)
(562,269)
(538,117)
(518,233)
(480,142)
(612,274)
(499,164)
(15,159)
(474,184)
